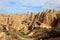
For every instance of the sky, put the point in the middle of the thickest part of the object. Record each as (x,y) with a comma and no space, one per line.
(23,6)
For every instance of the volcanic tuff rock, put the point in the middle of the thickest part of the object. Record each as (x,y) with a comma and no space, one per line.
(49,17)
(28,21)
(27,24)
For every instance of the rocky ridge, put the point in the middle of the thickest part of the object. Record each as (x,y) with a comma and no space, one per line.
(28,23)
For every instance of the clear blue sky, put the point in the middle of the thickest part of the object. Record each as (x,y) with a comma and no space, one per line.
(22,6)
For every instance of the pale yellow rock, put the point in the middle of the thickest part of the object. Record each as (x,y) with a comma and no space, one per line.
(45,26)
(3,36)
(47,18)
(18,22)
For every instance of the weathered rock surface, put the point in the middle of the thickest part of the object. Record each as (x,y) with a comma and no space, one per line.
(28,22)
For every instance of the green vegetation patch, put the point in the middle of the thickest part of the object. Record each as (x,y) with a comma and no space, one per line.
(58,15)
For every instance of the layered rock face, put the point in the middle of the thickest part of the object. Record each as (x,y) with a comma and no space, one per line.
(49,17)
(17,22)
(29,22)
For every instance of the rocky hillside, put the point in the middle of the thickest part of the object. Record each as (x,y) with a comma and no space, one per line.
(29,26)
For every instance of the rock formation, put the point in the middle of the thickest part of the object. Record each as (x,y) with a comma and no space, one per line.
(29,21)
(18,22)
(48,17)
